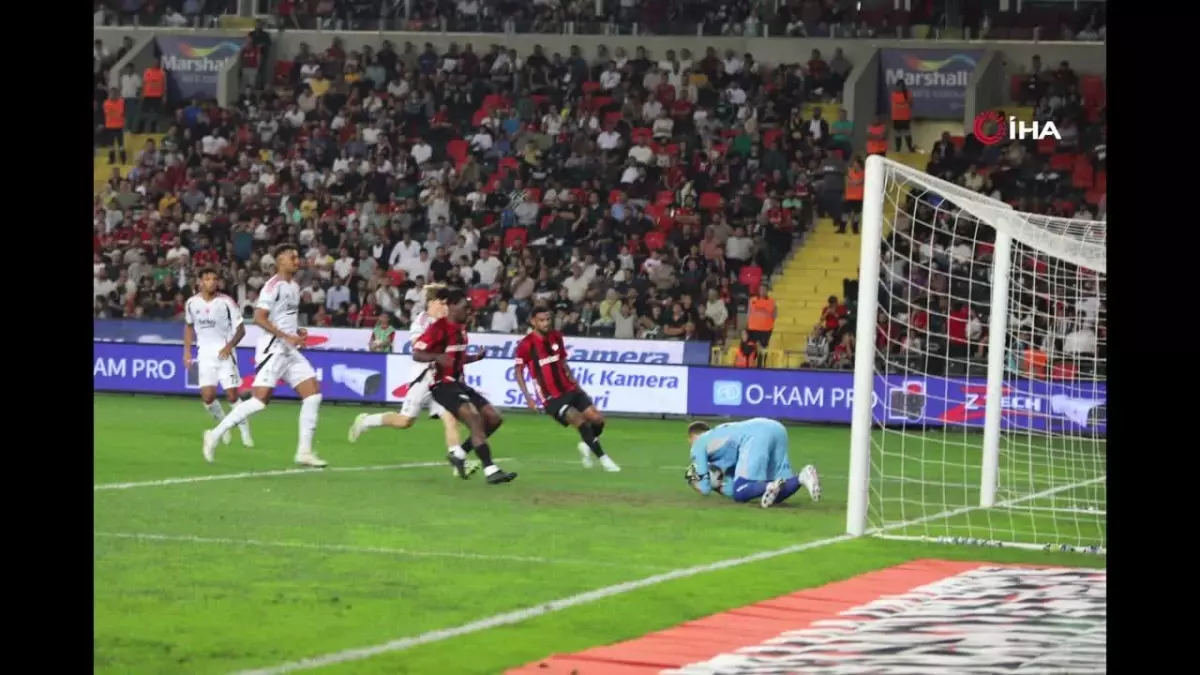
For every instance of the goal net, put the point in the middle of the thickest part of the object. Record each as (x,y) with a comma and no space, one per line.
(980,397)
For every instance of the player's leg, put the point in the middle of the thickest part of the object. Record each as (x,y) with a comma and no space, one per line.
(410,409)
(453,439)
(487,412)
(299,374)
(266,375)
(581,413)
(461,401)
(784,481)
(231,382)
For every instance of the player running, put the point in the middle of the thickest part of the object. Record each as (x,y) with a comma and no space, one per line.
(444,345)
(278,357)
(544,354)
(213,322)
(756,453)
(418,396)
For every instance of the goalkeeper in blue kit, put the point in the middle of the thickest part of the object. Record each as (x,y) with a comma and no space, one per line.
(747,460)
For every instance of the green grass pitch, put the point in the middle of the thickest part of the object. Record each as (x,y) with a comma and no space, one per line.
(226,575)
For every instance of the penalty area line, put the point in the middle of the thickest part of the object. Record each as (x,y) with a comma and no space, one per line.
(267,474)
(521,615)
(345,548)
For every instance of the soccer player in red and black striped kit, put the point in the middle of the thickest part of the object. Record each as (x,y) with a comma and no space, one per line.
(543,353)
(444,346)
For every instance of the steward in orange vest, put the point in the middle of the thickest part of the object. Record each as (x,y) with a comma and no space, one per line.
(154,96)
(902,115)
(877,138)
(113,136)
(856,178)
(747,353)
(761,321)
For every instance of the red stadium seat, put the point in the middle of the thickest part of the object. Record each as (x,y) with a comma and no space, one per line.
(1015,84)
(655,240)
(770,136)
(533,195)
(515,235)
(591,87)
(750,276)
(457,150)
(479,297)
(1100,181)
(546,221)
(1062,162)
(664,198)
(509,164)
(710,201)
(1047,146)
(641,134)
(1084,176)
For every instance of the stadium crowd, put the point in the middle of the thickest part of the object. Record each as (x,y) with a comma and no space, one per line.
(641,197)
(750,18)
(936,267)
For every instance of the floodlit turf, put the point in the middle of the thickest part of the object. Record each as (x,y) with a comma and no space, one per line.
(226,575)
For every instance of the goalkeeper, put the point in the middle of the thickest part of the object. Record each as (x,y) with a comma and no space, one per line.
(747,460)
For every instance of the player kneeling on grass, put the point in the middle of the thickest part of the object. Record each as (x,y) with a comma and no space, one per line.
(214,323)
(277,357)
(544,354)
(747,460)
(419,397)
(444,346)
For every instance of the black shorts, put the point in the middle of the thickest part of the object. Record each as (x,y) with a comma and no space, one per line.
(901,125)
(454,395)
(761,337)
(853,206)
(557,407)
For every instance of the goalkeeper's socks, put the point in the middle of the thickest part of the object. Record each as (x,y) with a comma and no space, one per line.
(589,438)
(746,490)
(215,409)
(789,488)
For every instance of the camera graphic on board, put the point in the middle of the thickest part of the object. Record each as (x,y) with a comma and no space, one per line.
(1082,411)
(358,380)
(907,402)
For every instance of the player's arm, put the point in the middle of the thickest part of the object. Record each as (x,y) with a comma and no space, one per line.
(189,337)
(262,319)
(429,339)
(239,330)
(562,349)
(519,373)
(698,472)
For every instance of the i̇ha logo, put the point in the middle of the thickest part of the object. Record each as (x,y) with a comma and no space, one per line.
(991,128)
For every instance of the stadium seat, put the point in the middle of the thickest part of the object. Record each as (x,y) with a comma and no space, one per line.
(591,87)
(655,240)
(710,201)
(751,276)
(641,134)
(515,235)
(479,297)
(533,194)
(1047,146)
(1083,176)
(1062,162)
(664,198)
(457,150)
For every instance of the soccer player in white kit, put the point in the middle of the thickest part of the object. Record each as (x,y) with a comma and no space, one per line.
(418,397)
(214,324)
(277,357)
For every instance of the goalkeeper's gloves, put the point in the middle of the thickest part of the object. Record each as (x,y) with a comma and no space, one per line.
(692,475)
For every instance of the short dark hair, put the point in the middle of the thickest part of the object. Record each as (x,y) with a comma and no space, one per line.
(698,427)
(205,271)
(284,248)
(451,295)
(540,309)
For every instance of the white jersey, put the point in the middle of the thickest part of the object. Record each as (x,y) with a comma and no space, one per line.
(215,322)
(420,323)
(281,299)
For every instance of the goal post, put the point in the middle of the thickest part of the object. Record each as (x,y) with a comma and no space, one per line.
(980,367)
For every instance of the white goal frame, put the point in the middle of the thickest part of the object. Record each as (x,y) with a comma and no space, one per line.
(1071,240)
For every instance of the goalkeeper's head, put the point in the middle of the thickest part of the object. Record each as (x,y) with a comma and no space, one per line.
(697,428)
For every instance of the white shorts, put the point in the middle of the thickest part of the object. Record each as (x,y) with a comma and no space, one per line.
(290,366)
(418,398)
(212,371)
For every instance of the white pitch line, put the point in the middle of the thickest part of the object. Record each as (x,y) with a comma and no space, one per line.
(341,548)
(520,615)
(266,474)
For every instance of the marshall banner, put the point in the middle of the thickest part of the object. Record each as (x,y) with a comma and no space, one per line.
(194,64)
(937,78)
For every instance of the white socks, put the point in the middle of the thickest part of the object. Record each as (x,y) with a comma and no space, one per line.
(309,409)
(373,421)
(491,469)
(458,452)
(215,409)
(240,413)
(218,413)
